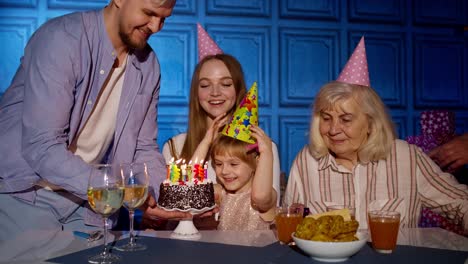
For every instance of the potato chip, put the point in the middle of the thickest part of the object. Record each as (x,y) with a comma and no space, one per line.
(327,228)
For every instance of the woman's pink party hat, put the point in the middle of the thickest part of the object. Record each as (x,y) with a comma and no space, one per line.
(356,70)
(206,45)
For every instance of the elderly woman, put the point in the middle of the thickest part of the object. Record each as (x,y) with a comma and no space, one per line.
(354,159)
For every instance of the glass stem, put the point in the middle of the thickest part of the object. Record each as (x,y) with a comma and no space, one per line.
(105,253)
(131,213)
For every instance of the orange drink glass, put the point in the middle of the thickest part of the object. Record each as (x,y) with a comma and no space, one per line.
(383,226)
(286,221)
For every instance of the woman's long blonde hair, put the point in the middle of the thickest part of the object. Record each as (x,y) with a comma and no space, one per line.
(197,125)
(382,132)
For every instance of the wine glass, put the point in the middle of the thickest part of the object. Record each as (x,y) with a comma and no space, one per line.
(105,196)
(136,191)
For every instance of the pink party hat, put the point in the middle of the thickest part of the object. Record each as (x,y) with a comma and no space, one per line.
(437,126)
(246,114)
(356,71)
(206,45)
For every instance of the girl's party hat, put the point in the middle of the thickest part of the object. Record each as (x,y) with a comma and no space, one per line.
(356,70)
(206,45)
(245,115)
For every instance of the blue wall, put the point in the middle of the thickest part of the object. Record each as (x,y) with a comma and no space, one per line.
(416,49)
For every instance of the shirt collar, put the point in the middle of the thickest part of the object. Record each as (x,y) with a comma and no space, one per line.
(329,161)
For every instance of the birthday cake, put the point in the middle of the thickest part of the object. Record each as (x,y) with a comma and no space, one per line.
(186,191)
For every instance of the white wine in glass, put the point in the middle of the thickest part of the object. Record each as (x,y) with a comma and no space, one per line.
(105,196)
(136,191)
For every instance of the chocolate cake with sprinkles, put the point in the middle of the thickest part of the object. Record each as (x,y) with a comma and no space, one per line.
(184,196)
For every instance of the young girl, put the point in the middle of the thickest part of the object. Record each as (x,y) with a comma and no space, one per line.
(245,178)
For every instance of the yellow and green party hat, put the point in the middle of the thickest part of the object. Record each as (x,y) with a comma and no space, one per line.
(245,115)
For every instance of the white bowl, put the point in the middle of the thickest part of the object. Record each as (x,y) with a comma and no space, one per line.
(331,251)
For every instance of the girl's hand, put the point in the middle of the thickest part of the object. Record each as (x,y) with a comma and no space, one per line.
(263,140)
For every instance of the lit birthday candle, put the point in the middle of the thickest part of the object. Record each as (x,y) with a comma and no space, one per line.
(168,171)
(183,169)
(196,170)
(175,172)
(201,172)
(205,167)
(169,167)
(189,171)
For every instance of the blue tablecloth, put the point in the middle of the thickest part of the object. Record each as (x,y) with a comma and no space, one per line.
(161,250)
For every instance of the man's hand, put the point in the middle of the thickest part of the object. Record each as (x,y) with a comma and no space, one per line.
(154,217)
(208,213)
(453,154)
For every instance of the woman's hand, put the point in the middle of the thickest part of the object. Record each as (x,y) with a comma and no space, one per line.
(210,135)
(217,124)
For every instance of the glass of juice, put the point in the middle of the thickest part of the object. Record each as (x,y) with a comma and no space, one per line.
(383,226)
(287,219)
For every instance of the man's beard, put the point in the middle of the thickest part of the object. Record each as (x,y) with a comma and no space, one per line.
(131,44)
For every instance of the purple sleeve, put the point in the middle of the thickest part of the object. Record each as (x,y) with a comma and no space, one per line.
(49,87)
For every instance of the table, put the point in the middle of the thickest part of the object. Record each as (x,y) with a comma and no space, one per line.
(257,246)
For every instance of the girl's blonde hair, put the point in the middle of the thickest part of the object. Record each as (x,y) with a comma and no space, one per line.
(232,147)
(382,132)
(197,125)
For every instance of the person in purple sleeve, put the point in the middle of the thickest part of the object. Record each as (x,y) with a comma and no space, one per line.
(86,92)
(453,157)
(439,140)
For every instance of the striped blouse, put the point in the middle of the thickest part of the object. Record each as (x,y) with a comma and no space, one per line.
(406,181)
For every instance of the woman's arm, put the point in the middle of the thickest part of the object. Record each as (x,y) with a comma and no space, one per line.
(211,134)
(441,191)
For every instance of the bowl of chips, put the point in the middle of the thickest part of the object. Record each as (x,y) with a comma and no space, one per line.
(329,238)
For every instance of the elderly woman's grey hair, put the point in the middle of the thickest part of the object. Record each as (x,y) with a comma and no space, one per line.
(382,131)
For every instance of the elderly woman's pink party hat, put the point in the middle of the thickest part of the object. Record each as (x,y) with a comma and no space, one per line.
(356,71)
(206,45)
